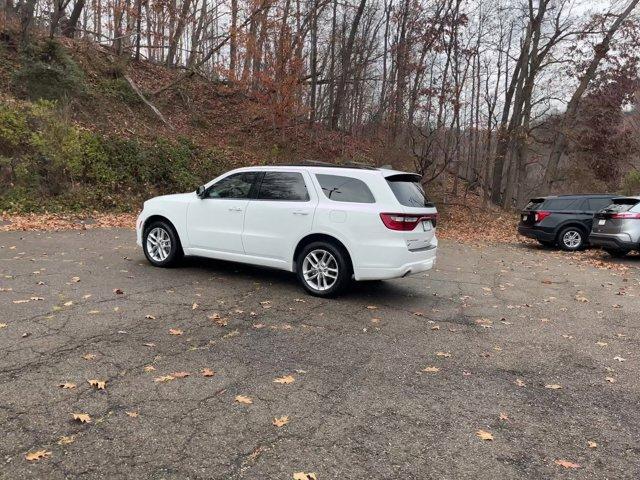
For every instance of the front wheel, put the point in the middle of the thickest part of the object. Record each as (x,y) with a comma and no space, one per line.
(161,244)
(323,269)
(616,253)
(571,239)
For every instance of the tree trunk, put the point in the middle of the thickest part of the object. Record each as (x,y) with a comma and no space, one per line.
(344,67)
(560,142)
(70,28)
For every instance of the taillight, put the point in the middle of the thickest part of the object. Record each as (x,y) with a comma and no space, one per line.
(539,216)
(406,221)
(626,215)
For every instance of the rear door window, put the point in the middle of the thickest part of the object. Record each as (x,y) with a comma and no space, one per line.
(286,186)
(408,192)
(534,204)
(562,204)
(345,189)
(623,205)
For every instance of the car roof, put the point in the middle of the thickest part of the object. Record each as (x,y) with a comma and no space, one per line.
(574,196)
(322,167)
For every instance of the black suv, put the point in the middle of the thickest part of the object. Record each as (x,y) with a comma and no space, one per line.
(564,220)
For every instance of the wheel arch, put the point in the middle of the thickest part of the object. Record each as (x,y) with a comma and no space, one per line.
(576,225)
(320,237)
(157,217)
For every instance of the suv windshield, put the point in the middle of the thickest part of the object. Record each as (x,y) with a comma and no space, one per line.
(408,192)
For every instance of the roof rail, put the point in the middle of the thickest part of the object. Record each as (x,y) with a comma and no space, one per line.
(318,163)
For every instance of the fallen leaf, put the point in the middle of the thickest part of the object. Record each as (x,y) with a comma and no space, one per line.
(37,455)
(553,386)
(22,301)
(620,359)
(175,331)
(132,414)
(207,372)
(602,344)
(89,356)
(504,416)
(66,440)
(566,464)
(592,444)
(118,291)
(67,385)
(435,327)
(443,354)
(75,279)
(164,378)
(180,374)
(610,379)
(82,417)
(582,299)
(3,325)
(431,369)
(285,380)
(304,476)
(281,421)
(149,317)
(483,435)
(243,399)
(149,368)
(520,383)
(98,384)
(194,306)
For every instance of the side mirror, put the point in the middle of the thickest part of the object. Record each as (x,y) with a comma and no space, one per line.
(200,191)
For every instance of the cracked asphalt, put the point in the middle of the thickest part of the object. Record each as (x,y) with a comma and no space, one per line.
(513,319)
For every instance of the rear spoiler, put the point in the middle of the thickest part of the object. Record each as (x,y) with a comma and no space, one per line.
(404,177)
(626,200)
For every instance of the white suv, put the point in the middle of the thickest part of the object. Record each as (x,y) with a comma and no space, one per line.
(326,223)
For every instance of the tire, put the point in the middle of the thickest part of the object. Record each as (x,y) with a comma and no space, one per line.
(546,243)
(330,258)
(616,253)
(571,239)
(161,231)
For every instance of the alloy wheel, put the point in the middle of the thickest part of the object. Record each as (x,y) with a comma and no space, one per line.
(572,239)
(158,244)
(320,269)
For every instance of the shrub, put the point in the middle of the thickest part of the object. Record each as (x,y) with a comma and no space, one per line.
(50,164)
(48,72)
(631,183)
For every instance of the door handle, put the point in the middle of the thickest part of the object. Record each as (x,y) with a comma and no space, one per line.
(235,209)
(300,212)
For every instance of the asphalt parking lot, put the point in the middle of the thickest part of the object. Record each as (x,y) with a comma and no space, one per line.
(403,379)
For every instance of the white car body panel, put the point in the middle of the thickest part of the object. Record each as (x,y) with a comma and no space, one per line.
(267,232)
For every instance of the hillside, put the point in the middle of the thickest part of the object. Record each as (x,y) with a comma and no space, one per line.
(73,130)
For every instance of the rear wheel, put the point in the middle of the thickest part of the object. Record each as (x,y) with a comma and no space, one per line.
(161,244)
(571,239)
(616,253)
(323,269)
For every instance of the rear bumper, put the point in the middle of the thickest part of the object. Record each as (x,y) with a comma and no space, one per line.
(619,241)
(417,262)
(536,233)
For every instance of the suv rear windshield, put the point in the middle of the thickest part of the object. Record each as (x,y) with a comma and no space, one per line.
(622,205)
(408,192)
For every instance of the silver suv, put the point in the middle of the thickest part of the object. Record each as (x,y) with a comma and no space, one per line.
(617,228)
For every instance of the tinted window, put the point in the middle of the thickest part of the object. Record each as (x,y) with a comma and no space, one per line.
(562,204)
(597,204)
(409,194)
(283,186)
(237,185)
(534,203)
(345,189)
